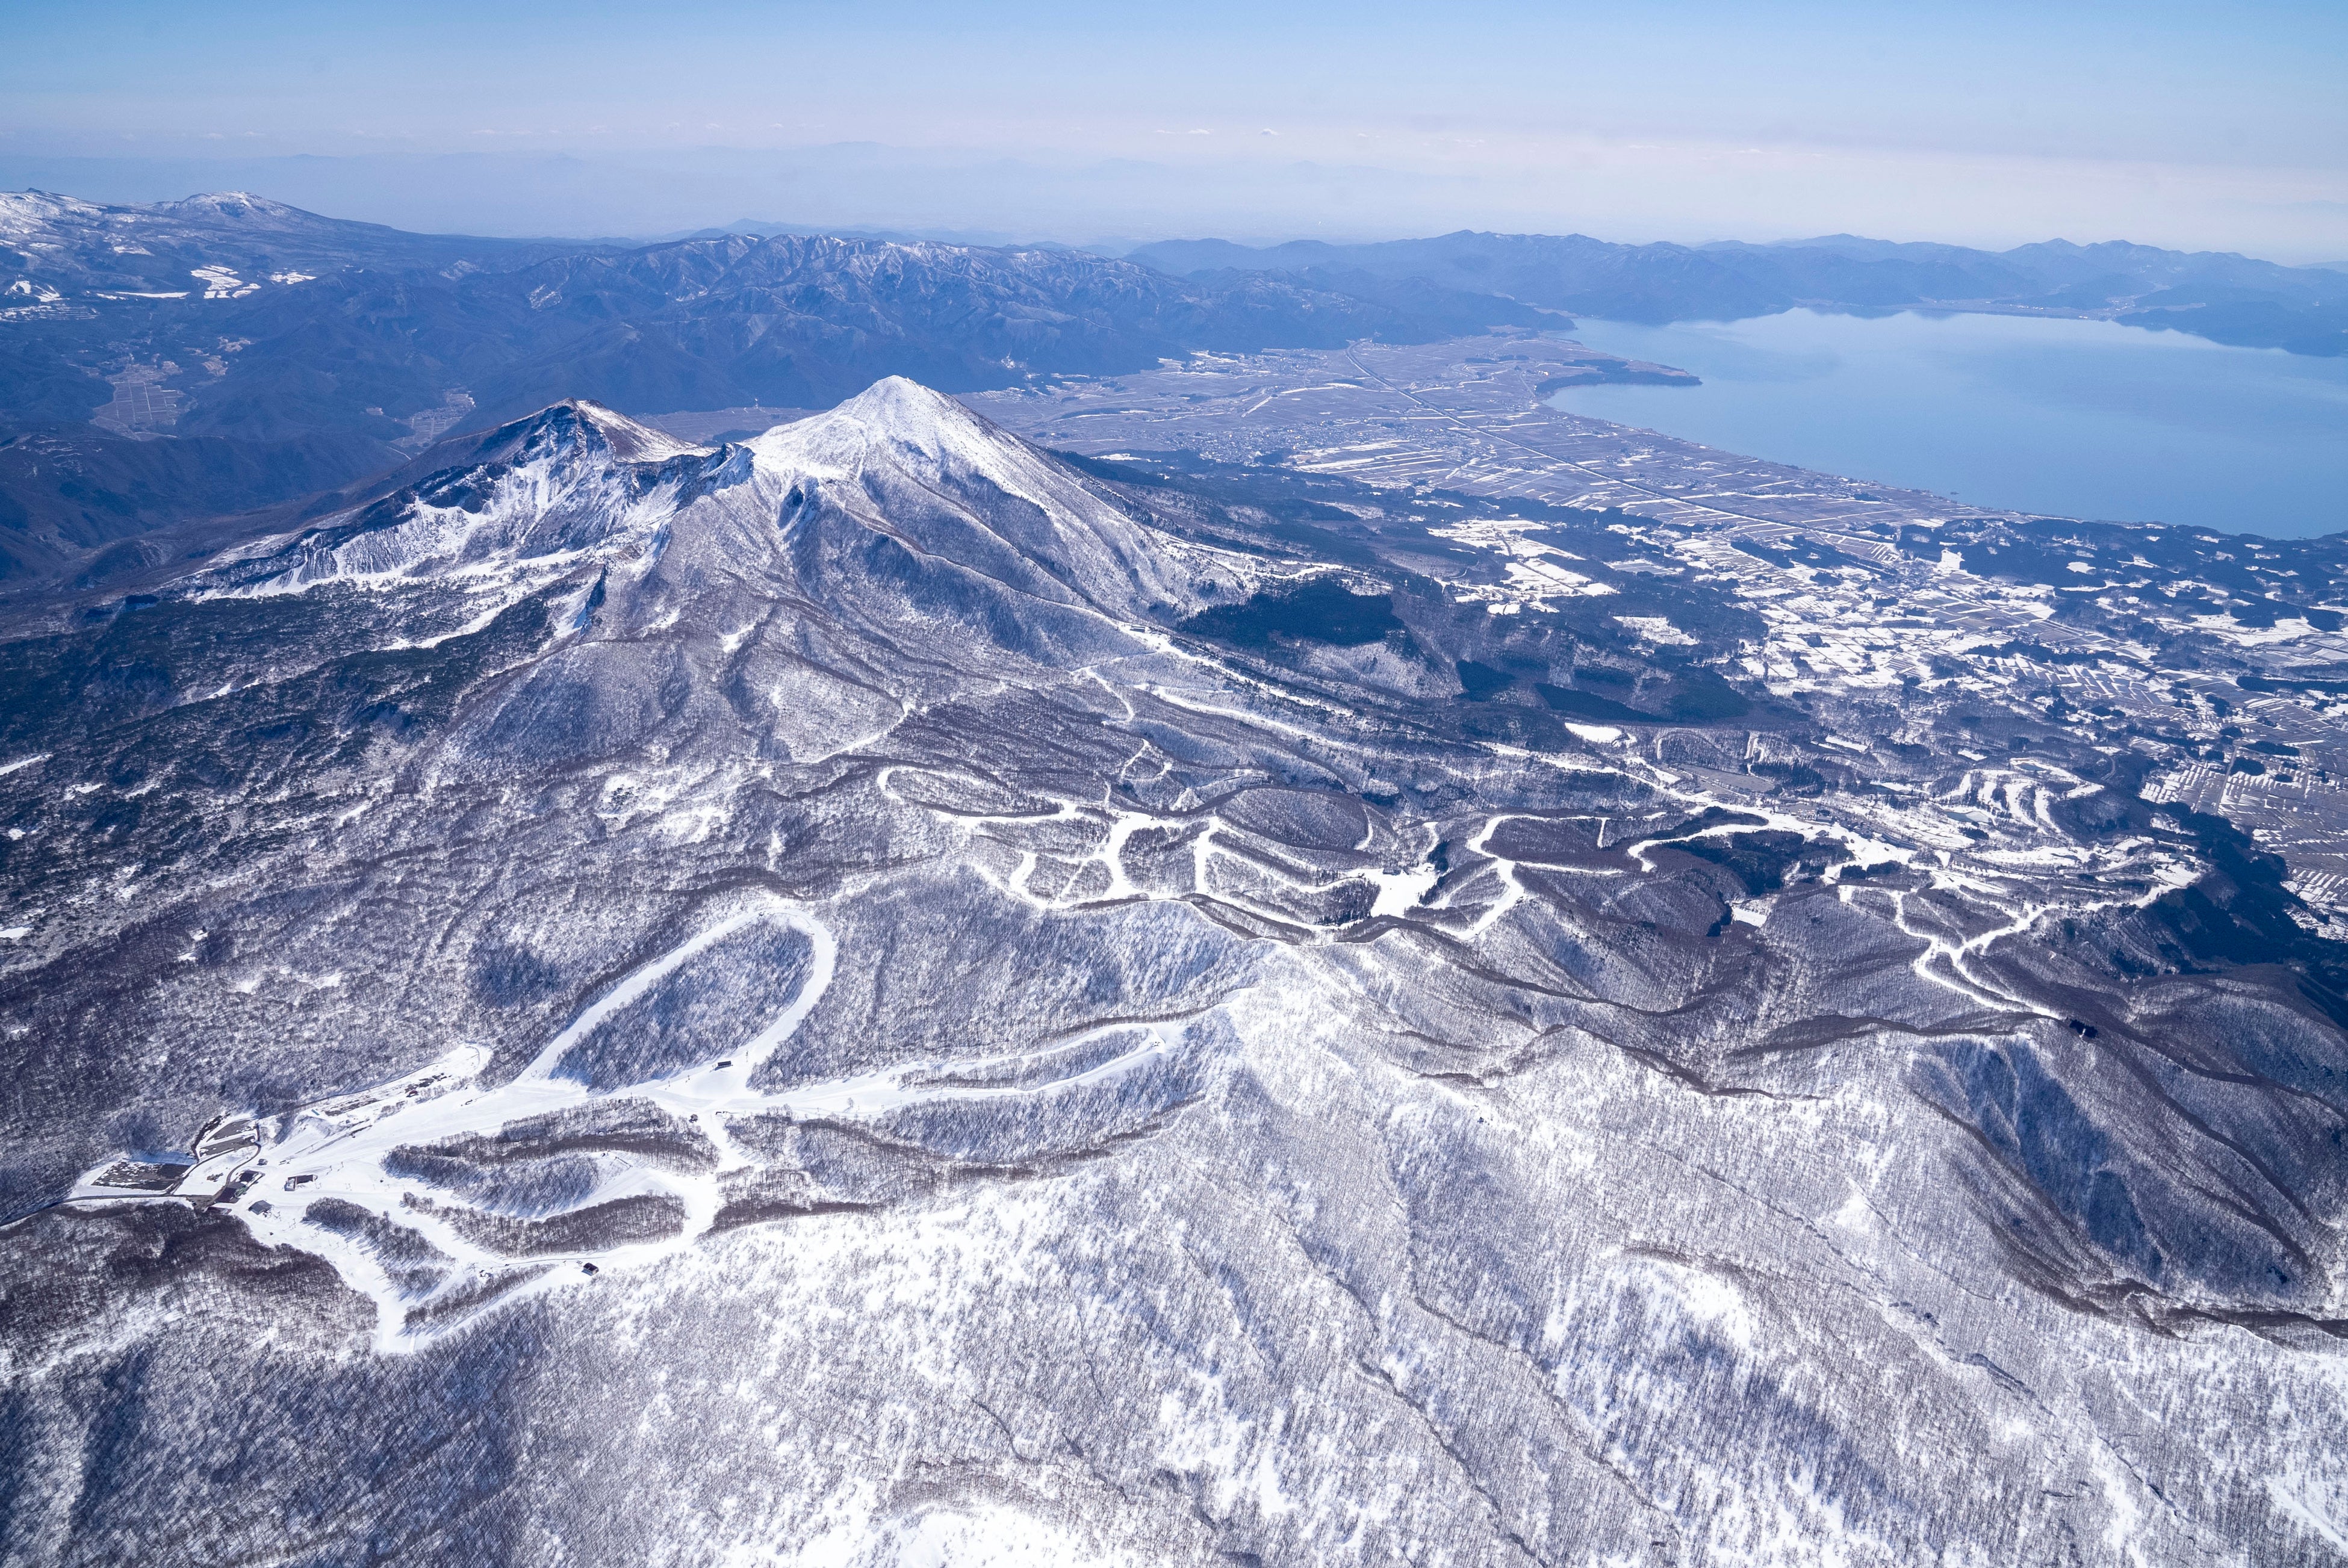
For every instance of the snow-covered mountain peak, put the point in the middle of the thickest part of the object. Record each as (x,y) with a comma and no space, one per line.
(902,505)
(26,213)
(230,204)
(532,496)
(905,422)
(909,411)
(911,463)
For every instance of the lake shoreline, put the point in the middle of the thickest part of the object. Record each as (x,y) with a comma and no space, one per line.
(2055,416)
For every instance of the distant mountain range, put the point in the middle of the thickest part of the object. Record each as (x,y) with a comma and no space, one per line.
(313,323)
(288,353)
(2226,298)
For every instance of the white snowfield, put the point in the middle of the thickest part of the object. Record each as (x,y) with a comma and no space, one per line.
(335,1149)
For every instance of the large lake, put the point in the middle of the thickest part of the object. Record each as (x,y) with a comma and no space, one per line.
(2082,419)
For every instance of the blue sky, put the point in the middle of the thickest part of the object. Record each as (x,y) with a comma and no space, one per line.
(2209,125)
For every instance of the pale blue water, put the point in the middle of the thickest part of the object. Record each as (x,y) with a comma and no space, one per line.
(2084,419)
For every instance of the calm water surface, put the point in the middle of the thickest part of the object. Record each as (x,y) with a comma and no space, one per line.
(2085,419)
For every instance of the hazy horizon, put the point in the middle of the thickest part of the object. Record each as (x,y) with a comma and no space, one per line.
(2192,129)
(409,191)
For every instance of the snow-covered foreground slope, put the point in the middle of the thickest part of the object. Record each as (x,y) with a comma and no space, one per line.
(800,1009)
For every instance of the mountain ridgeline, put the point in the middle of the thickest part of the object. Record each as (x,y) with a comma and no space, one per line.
(2226,298)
